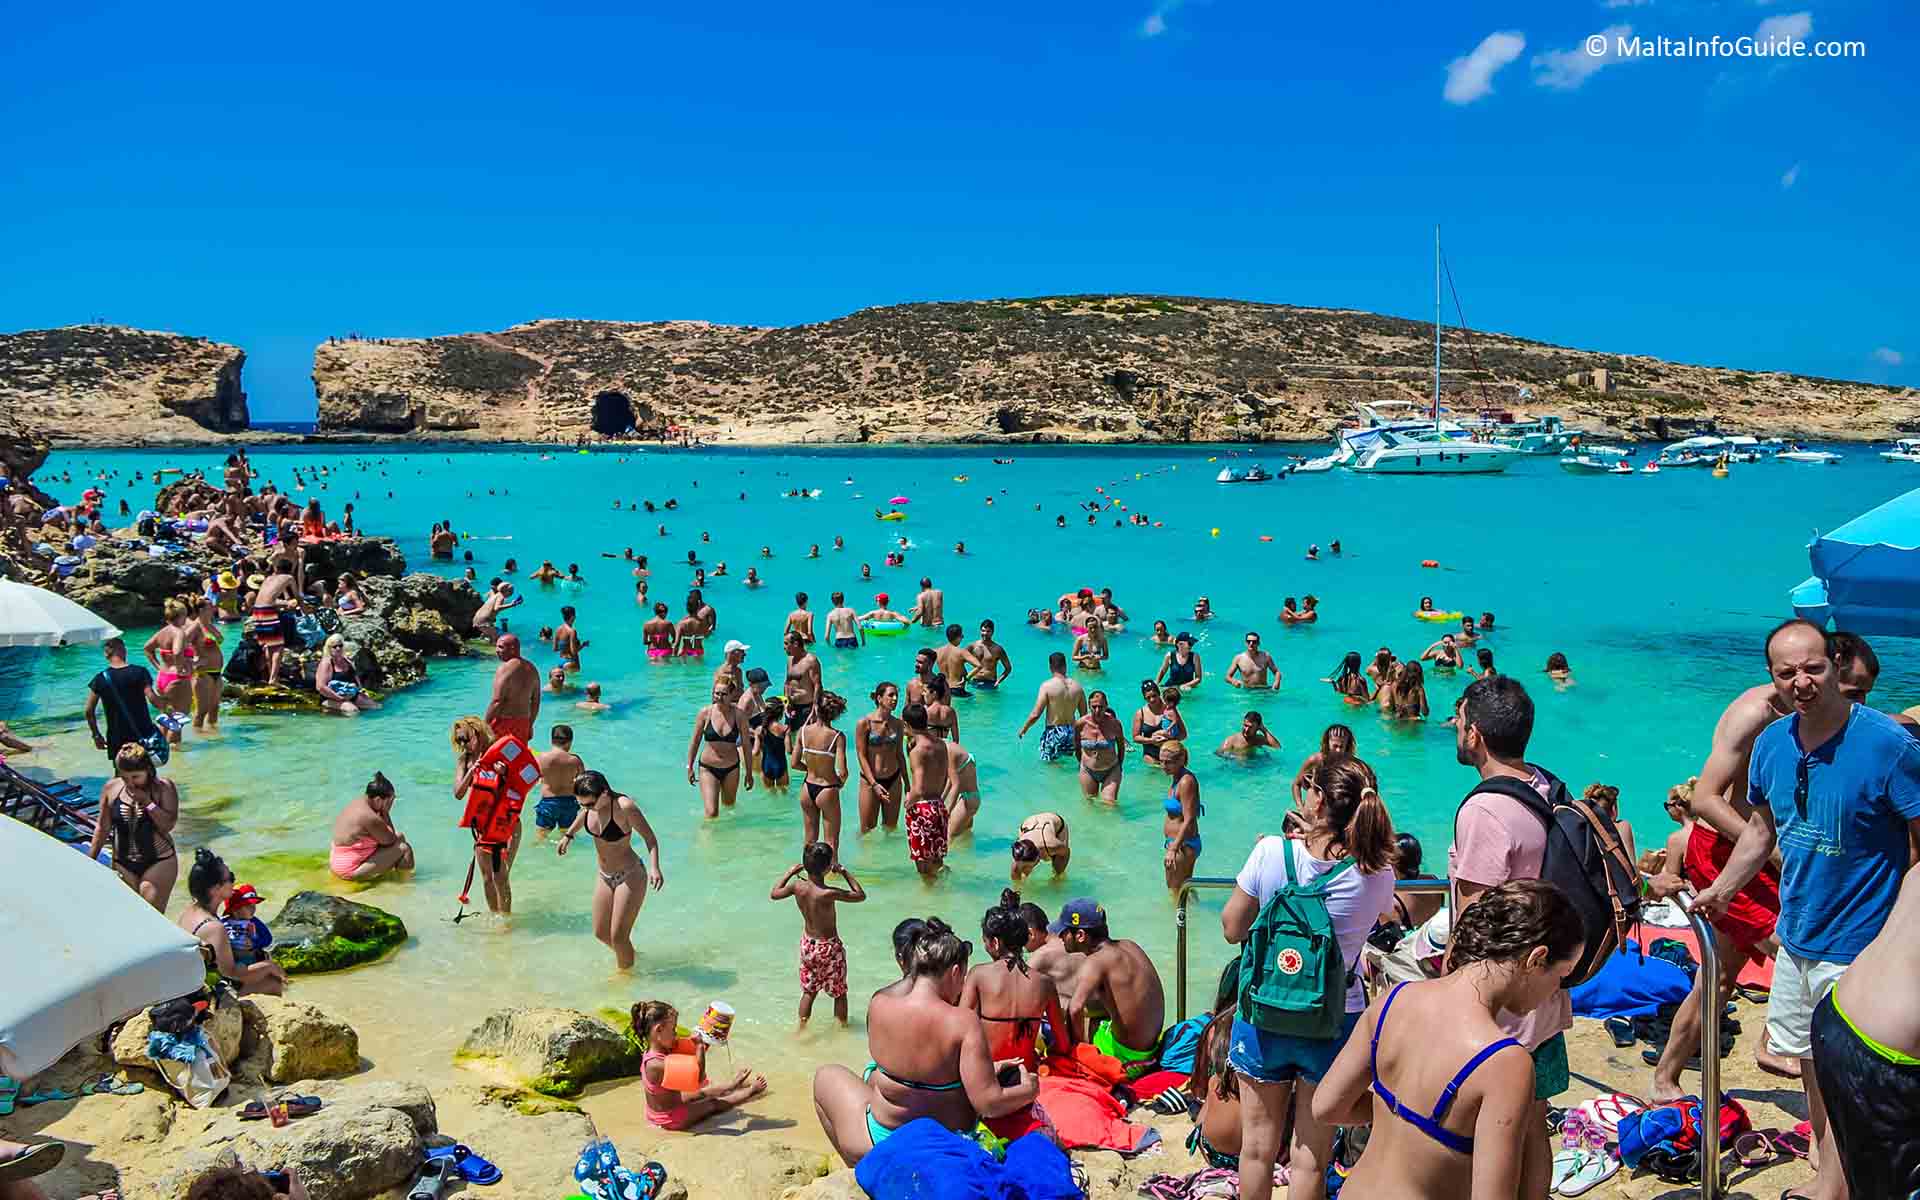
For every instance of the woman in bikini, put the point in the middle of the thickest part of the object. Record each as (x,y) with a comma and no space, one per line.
(1182,808)
(171,654)
(690,634)
(1012,1002)
(942,720)
(1350,682)
(930,1058)
(876,743)
(1041,837)
(1103,748)
(1447,1092)
(713,753)
(612,819)
(822,750)
(1154,722)
(210,883)
(963,789)
(203,634)
(658,634)
(138,810)
(1406,700)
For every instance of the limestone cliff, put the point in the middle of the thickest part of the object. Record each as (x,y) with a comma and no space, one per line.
(1064,368)
(109,385)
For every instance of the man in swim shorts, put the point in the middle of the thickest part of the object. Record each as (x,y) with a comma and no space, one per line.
(516,692)
(823,957)
(276,593)
(1117,1001)
(1251,666)
(1063,702)
(930,606)
(955,663)
(926,815)
(994,666)
(559,767)
(803,684)
(843,624)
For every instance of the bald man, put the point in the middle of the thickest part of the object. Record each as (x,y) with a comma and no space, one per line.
(516,692)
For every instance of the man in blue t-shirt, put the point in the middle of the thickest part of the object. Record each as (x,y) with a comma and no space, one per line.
(1836,787)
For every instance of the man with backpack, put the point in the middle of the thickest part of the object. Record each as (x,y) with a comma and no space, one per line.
(1519,822)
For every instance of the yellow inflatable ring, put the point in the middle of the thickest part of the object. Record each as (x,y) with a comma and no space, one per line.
(1438,616)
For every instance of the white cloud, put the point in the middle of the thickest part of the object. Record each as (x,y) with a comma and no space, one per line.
(1887,356)
(1631,3)
(1470,76)
(1791,177)
(1787,27)
(1565,70)
(1156,22)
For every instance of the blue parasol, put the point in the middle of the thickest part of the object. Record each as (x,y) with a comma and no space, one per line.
(1866,573)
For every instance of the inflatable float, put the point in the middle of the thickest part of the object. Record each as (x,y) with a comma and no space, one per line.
(889,516)
(1435,615)
(882,628)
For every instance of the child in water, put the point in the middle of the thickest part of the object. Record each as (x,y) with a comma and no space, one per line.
(656,1025)
(823,958)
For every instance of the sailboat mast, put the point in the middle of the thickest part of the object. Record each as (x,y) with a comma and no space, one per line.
(1436,329)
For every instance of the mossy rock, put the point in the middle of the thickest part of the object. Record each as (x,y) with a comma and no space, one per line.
(555,1051)
(318,932)
(526,1103)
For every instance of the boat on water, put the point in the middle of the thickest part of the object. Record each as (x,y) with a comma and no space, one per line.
(1904,450)
(1607,452)
(1431,448)
(1702,451)
(1652,468)
(1313,466)
(1543,435)
(1800,454)
(1586,464)
(1253,474)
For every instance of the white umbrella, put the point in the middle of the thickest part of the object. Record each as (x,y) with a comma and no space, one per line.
(31,616)
(83,950)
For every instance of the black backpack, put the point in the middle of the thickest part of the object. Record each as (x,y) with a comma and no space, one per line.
(1586,860)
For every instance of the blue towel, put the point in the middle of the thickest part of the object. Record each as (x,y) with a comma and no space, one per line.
(1627,987)
(1180,1041)
(924,1160)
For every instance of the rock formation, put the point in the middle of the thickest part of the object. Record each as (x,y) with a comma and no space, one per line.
(554,1051)
(300,1041)
(1063,368)
(318,932)
(109,385)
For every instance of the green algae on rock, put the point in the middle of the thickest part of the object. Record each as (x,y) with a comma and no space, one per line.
(555,1051)
(317,932)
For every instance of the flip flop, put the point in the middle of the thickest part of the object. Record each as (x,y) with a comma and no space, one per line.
(48,1096)
(468,1165)
(9,1092)
(299,1106)
(1752,1149)
(1622,1030)
(34,1160)
(1565,1162)
(107,1085)
(1595,1169)
(1790,1143)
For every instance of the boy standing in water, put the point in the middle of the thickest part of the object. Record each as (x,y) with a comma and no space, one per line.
(823,958)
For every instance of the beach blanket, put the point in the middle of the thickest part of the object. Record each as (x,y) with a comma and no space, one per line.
(924,1160)
(1629,987)
(1087,1117)
(1755,973)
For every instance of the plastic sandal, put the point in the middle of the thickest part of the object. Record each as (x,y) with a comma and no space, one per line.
(1566,1161)
(1789,1143)
(107,1085)
(1622,1030)
(49,1095)
(1752,1149)
(468,1165)
(34,1160)
(9,1092)
(1596,1168)
(432,1180)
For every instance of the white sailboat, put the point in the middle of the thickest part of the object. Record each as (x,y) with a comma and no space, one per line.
(1430,449)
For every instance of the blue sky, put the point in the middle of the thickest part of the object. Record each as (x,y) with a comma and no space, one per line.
(267,175)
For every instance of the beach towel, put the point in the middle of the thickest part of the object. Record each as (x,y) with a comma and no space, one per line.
(1626,986)
(1178,1044)
(1087,1116)
(1754,973)
(924,1160)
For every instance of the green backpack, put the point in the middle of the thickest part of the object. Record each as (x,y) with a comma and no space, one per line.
(1293,978)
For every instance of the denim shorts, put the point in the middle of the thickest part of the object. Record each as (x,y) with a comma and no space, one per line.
(1277,1058)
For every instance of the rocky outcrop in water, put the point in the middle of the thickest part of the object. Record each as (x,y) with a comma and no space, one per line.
(318,932)
(1051,369)
(124,581)
(109,385)
(554,1051)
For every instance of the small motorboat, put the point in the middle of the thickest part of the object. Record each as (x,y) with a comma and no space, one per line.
(1652,468)
(1801,454)
(1904,450)
(1313,466)
(1254,474)
(1684,459)
(1620,468)
(1606,452)
(1586,464)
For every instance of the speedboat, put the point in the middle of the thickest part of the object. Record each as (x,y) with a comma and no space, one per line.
(1586,464)
(1904,450)
(1801,454)
(1431,453)
(1652,468)
(1254,474)
(1683,459)
(1543,435)
(1605,452)
(1313,466)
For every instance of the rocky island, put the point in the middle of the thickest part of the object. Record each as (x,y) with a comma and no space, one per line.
(108,385)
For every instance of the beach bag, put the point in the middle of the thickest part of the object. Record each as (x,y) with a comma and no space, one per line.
(1293,977)
(200,1081)
(1586,860)
(154,743)
(1667,1138)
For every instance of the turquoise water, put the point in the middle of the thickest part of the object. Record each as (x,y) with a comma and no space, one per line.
(1657,589)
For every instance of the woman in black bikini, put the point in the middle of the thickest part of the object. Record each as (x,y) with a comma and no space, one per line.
(1454,1120)
(713,753)
(612,819)
(210,883)
(138,810)
(1011,999)
(1103,749)
(822,749)
(942,720)
(876,743)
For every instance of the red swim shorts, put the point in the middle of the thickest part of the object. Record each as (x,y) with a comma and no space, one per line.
(520,727)
(1754,909)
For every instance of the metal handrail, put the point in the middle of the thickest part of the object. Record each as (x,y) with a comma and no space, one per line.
(1709,1000)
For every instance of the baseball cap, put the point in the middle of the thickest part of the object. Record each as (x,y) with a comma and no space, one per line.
(742,647)
(757,675)
(1084,913)
(881,597)
(244,894)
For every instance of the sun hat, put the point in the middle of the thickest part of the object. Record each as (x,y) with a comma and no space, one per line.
(228,580)
(742,647)
(256,582)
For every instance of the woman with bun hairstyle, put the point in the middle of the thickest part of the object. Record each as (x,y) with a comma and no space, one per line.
(1447,1092)
(821,754)
(1011,999)
(611,819)
(209,882)
(137,813)
(1345,846)
(365,843)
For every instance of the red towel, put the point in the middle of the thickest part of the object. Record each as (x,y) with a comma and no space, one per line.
(1148,1086)
(1088,1117)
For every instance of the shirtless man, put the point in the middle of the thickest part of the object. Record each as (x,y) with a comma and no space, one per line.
(280,591)
(1049,955)
(566,639)
(697,606)
(926,810)
(956,663)
(592,702)
(1117,1002)
(1720,802)
(1062,701)
(559,767)
(800,621)
(923,664)
(930,606)
(995,667)
(802,686)
(1250,667)
(823,958)
(730,670)
(843,624)
(557,684)
(440,543)
(516,692)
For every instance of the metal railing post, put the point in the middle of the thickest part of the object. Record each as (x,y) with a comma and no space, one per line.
(1404,887)
(1710,1148)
